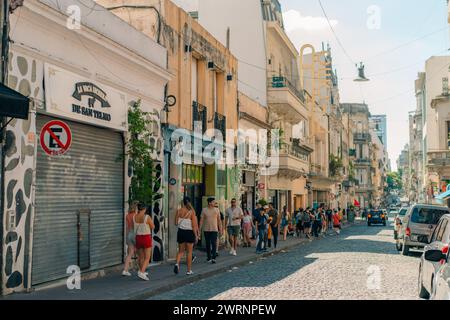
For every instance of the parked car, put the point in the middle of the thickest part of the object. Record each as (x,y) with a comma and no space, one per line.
(376,217)
(435,255)
(420,220)
(398,220)
(442,283)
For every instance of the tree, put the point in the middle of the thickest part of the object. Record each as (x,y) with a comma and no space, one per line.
(335,165)
(140,153)
(394,181)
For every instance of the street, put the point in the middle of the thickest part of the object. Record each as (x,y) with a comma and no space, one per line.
(343,267)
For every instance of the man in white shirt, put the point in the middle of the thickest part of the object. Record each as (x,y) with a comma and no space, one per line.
(234,216)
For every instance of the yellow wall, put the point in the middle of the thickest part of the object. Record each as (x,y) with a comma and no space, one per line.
(179,62)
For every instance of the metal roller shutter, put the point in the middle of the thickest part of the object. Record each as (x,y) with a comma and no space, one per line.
(88,177)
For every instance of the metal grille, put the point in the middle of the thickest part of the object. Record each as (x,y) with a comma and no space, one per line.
(89,176)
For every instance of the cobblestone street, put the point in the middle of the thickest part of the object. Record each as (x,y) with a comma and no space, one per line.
(361,263)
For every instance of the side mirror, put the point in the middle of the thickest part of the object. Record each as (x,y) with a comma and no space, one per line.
(423,239)
(434,255)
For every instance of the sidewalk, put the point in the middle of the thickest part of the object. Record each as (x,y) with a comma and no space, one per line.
(162,278)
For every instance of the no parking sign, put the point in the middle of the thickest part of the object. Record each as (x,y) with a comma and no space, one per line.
(55,138)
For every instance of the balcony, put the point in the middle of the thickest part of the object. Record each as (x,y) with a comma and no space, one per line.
(438,158)
(362,162)
(286,100)
(220,123)
(316,170)
(361,137)
(304,145)
(293,161)
(199,116)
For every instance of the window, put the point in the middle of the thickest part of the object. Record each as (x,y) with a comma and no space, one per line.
(194,79)
(446,236)
(442,230)
(426,215)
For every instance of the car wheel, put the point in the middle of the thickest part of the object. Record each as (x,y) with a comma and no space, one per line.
(405,250)
(423,293)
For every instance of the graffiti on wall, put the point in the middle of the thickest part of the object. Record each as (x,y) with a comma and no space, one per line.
(25,76)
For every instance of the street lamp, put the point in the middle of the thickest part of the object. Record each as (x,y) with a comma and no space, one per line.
(361,76)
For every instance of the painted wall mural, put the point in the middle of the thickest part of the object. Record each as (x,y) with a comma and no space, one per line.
(25,76)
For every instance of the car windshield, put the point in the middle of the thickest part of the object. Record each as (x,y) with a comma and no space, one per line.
(427,215)
(403,212)
(376,212)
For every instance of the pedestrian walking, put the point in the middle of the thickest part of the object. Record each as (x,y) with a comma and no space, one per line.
(234,216)
(187,234)
(211,225)
(336,222)
(247,227)
(130,239)
(317,223)
(143,226)
(261,227)
(306,221)
(274,224)
(220,238)
(299,224)
(285,217)
(329,216)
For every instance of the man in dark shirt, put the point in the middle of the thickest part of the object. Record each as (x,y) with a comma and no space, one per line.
(329,214)
(273,213)
(261,226)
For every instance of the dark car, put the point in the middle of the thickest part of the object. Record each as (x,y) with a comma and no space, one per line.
(376,217)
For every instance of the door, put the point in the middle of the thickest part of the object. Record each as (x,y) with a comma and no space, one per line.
(79,217)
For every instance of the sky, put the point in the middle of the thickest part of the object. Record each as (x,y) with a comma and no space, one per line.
(393,38)
(393,47)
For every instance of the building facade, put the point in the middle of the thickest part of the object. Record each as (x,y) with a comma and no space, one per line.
(205,87)
(361,153)
(66,175)
(277,89)
(436,129)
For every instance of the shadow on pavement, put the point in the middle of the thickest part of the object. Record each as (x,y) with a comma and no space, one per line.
(275,268)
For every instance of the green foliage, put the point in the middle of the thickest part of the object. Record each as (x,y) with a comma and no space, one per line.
(263,202)
(394,181)
(140,153)
(335,165)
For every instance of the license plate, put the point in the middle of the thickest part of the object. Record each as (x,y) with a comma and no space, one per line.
(414,238)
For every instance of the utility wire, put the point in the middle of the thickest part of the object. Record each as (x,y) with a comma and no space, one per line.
(335,35)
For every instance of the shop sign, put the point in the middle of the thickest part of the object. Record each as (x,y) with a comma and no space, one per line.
(72,96)
(172,181)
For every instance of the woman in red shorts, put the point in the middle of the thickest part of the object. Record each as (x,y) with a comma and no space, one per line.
(143,226)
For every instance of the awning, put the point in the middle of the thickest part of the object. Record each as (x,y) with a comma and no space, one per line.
(13,104)
(443,196)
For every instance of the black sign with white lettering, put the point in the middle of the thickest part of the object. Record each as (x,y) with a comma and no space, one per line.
(95,94)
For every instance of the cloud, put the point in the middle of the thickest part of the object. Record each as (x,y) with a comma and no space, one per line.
(293,20)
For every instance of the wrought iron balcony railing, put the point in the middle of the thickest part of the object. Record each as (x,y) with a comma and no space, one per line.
(283,82)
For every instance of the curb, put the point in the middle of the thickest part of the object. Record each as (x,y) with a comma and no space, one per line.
(145,294)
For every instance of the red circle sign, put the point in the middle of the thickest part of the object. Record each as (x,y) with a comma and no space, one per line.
(55,138)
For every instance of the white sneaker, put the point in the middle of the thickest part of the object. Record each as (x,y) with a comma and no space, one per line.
(126,273)
(234,253)
(231,252)
(190,273)
(143,276)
